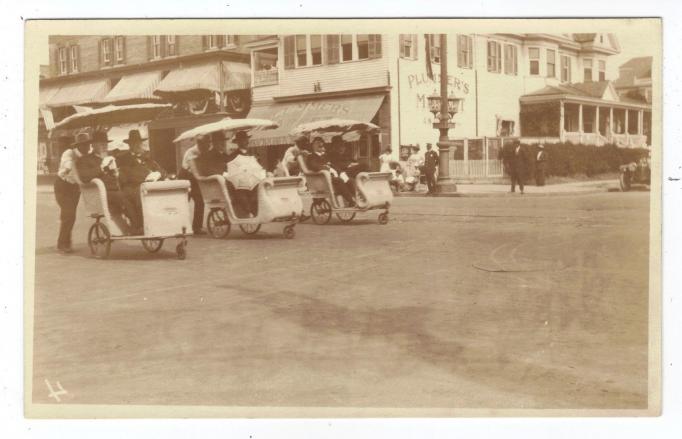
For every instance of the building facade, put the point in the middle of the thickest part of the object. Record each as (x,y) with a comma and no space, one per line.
(385,79)
(204,77)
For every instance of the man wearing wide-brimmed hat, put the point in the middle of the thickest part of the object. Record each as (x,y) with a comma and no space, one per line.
(135,167)
(66,190)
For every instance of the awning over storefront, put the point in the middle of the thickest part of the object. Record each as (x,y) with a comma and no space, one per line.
(289,115)
(206,78)
(45,94)
(134,88)
(46,114)
(84,92)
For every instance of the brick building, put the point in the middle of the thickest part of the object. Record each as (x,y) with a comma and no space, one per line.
(205,77)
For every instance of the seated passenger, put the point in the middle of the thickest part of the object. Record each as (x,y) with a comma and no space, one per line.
(94,162)
(246,200)
(345,164)
(136,166)
(318,161)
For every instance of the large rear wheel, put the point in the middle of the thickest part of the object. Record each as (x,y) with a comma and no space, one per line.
(99,240)
(218,224)
(321,211)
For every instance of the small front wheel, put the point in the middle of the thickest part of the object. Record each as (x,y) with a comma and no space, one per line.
(180,251)
(289,232)
(218,224)
(152,245)
(250,228)
(99,240)
(321,211)
(383,218)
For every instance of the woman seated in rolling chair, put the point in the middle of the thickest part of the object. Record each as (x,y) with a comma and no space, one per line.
(246,200)
(94,162)
(318,161)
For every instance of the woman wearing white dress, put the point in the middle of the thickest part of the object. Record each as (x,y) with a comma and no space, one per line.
(385,160)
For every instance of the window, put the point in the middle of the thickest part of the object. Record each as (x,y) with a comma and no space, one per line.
(551,63)
(63,61)
(212,42)
(363,46)
(316,49)
(74,59)
(230,40)
(534,57)
(510,59)
(156,46)
(408,46)
(494,57)
(107,56)
(587,69)
(265,66)
(301,51)
(565,69)
(434,42)
(602,70)
(170,45)
(346,47)
(464,51)
(120,49)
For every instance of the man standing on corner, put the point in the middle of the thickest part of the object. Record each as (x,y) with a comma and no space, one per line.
(515,162)
(430,167)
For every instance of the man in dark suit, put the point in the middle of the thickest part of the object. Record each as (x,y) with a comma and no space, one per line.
(92,165)
(515,160)
(318,161)
(135,167)
(430,166)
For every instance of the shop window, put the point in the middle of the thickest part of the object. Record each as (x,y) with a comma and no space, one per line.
(534,59)
(565,69)
(510,59)
(494,57)
(551,63)
(465,52)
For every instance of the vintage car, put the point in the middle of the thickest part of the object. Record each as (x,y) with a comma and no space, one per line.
(638,173)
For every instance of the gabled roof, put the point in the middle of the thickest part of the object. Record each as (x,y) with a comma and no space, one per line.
(586,89)
(641,66)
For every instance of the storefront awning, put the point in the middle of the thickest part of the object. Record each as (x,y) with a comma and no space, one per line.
(45,94)
(134,88)
(289,115)
(84,92)
(206,78)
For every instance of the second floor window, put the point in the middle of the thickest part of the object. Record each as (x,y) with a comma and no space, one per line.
(212,41)
(602,70)
(587,69)
(120,50)
(362,41)
(63,60)
(346,47)
(106,49)
(230,40)
(434,54)
(464,51)
(170,45)
(316,50)
(534,59)
(307,50)
(551,63)
(510,59)
(74,59)
(301,51)
(156,46)
(565,69)
(408,46)
(494,57)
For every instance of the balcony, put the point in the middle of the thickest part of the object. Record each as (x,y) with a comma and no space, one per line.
(265,77)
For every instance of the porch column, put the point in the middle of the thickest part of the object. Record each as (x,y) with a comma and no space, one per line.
(561,121)
(580,123)
(627,127)
(610,136)
(640,122)
(596,119)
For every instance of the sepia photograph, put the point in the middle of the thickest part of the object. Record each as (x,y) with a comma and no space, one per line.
(280,221)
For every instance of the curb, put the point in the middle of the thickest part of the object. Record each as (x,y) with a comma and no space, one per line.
(507,194)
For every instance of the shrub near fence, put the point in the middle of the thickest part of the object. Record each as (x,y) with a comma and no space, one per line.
(569,159)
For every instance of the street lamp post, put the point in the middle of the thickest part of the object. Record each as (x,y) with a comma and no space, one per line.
(437,103)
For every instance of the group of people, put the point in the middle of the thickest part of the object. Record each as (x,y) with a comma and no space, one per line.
(210,157)
(516,161)
(122,173)
(408,177)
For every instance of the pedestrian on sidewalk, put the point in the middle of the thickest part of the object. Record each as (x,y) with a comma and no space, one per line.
(540,165)
(430,166)
(515,160)
(67,193)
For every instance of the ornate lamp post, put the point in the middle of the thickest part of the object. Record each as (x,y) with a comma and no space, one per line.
(442,122)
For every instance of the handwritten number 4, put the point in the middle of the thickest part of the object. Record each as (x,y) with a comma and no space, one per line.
(55,394)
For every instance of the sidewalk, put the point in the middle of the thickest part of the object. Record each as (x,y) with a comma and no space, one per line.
(501,190)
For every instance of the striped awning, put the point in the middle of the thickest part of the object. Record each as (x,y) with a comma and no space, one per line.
(84,92)
(134,88)
(205,77)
